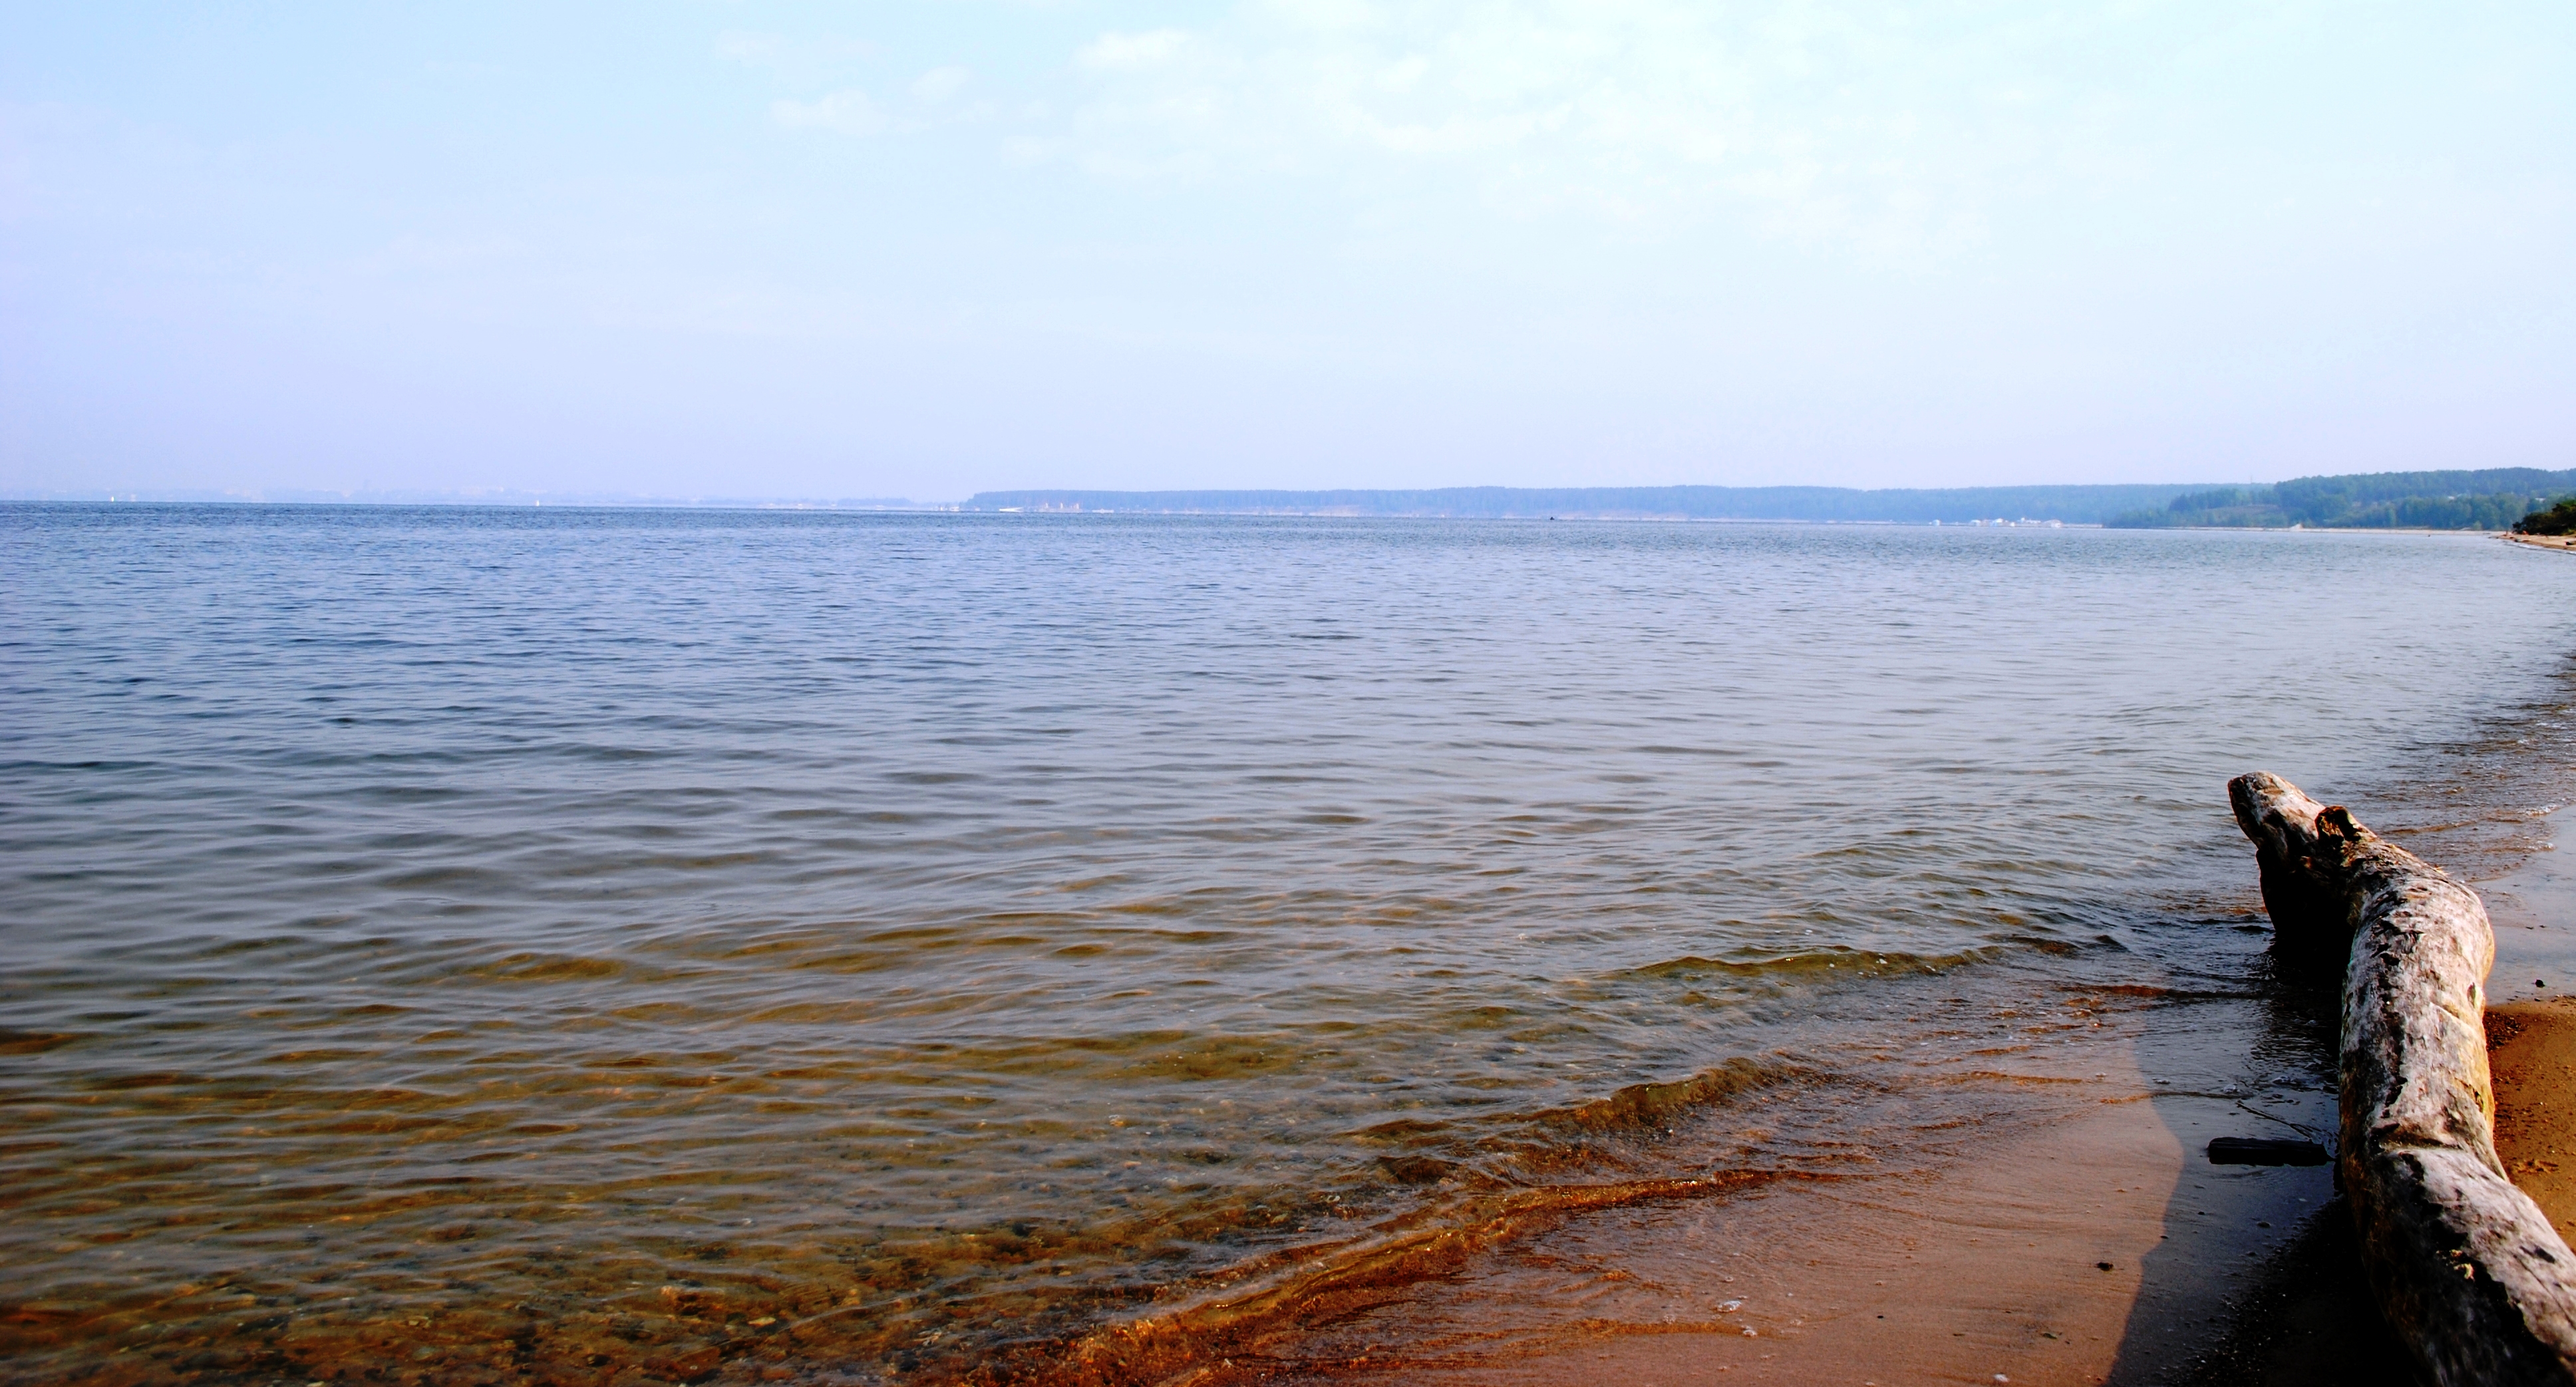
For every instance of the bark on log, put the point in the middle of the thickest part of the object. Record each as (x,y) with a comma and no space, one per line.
(2466,1267)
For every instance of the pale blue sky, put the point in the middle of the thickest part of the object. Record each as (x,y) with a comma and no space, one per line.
(925,249)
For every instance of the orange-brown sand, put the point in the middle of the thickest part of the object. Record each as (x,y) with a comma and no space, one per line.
(2531,1050)
(2092,1243)
(2026,1265)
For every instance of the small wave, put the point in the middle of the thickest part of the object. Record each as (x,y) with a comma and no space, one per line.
(17,1042)
(1405,1129)
(1813,962)
(537,967)
(1653,1105)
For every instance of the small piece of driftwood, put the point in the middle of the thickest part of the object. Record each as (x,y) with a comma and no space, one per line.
(2265,1151)
(2467,1269)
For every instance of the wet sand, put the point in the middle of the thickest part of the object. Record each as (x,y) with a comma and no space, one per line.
(2030,1262)
(2073,1232)
(2090,1243)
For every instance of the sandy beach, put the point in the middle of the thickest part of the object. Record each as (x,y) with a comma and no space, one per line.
(2531,1047)
(2531,1029)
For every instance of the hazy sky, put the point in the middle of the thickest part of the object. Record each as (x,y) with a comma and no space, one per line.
(924,249)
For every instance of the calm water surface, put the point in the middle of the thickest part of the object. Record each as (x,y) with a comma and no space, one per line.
(445,929)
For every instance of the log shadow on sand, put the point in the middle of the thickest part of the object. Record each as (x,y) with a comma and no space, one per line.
(2281,1312)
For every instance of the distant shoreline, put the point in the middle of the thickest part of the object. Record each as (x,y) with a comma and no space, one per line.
(2063,505)
(2036,507)
(961,509)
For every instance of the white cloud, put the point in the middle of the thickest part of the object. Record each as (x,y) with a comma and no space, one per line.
(743,46)
(1849,122)
(850,112)
(939,84)
(1132,52)
(809,61)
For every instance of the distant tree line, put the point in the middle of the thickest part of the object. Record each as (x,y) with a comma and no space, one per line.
(2492,499)
(2557,520)
(2484,500)
(2071,505)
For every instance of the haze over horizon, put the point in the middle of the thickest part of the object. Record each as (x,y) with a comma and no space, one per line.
(933,249)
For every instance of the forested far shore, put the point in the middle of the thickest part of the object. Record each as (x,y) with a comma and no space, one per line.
(2492,499)
(2072,505)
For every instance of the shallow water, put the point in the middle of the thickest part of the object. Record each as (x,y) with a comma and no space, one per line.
(492,941)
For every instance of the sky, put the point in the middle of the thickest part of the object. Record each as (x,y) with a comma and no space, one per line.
(698,249)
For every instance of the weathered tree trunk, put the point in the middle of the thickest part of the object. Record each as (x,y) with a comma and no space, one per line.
(2467,1268)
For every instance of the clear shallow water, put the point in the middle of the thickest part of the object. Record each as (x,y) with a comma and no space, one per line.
(922,930)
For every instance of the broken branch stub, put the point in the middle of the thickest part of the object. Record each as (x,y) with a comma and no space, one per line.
(2468,1270)
(2311,919)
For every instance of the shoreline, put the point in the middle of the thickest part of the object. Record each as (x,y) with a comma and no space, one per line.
(2218,1274)
(2062,1225)
(2561,543)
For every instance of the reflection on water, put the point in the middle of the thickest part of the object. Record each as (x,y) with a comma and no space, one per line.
(487,942)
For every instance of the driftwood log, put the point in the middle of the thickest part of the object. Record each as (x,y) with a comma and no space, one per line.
(2468,1270)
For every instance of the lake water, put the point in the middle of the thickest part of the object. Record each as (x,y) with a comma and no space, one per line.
(489,941)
